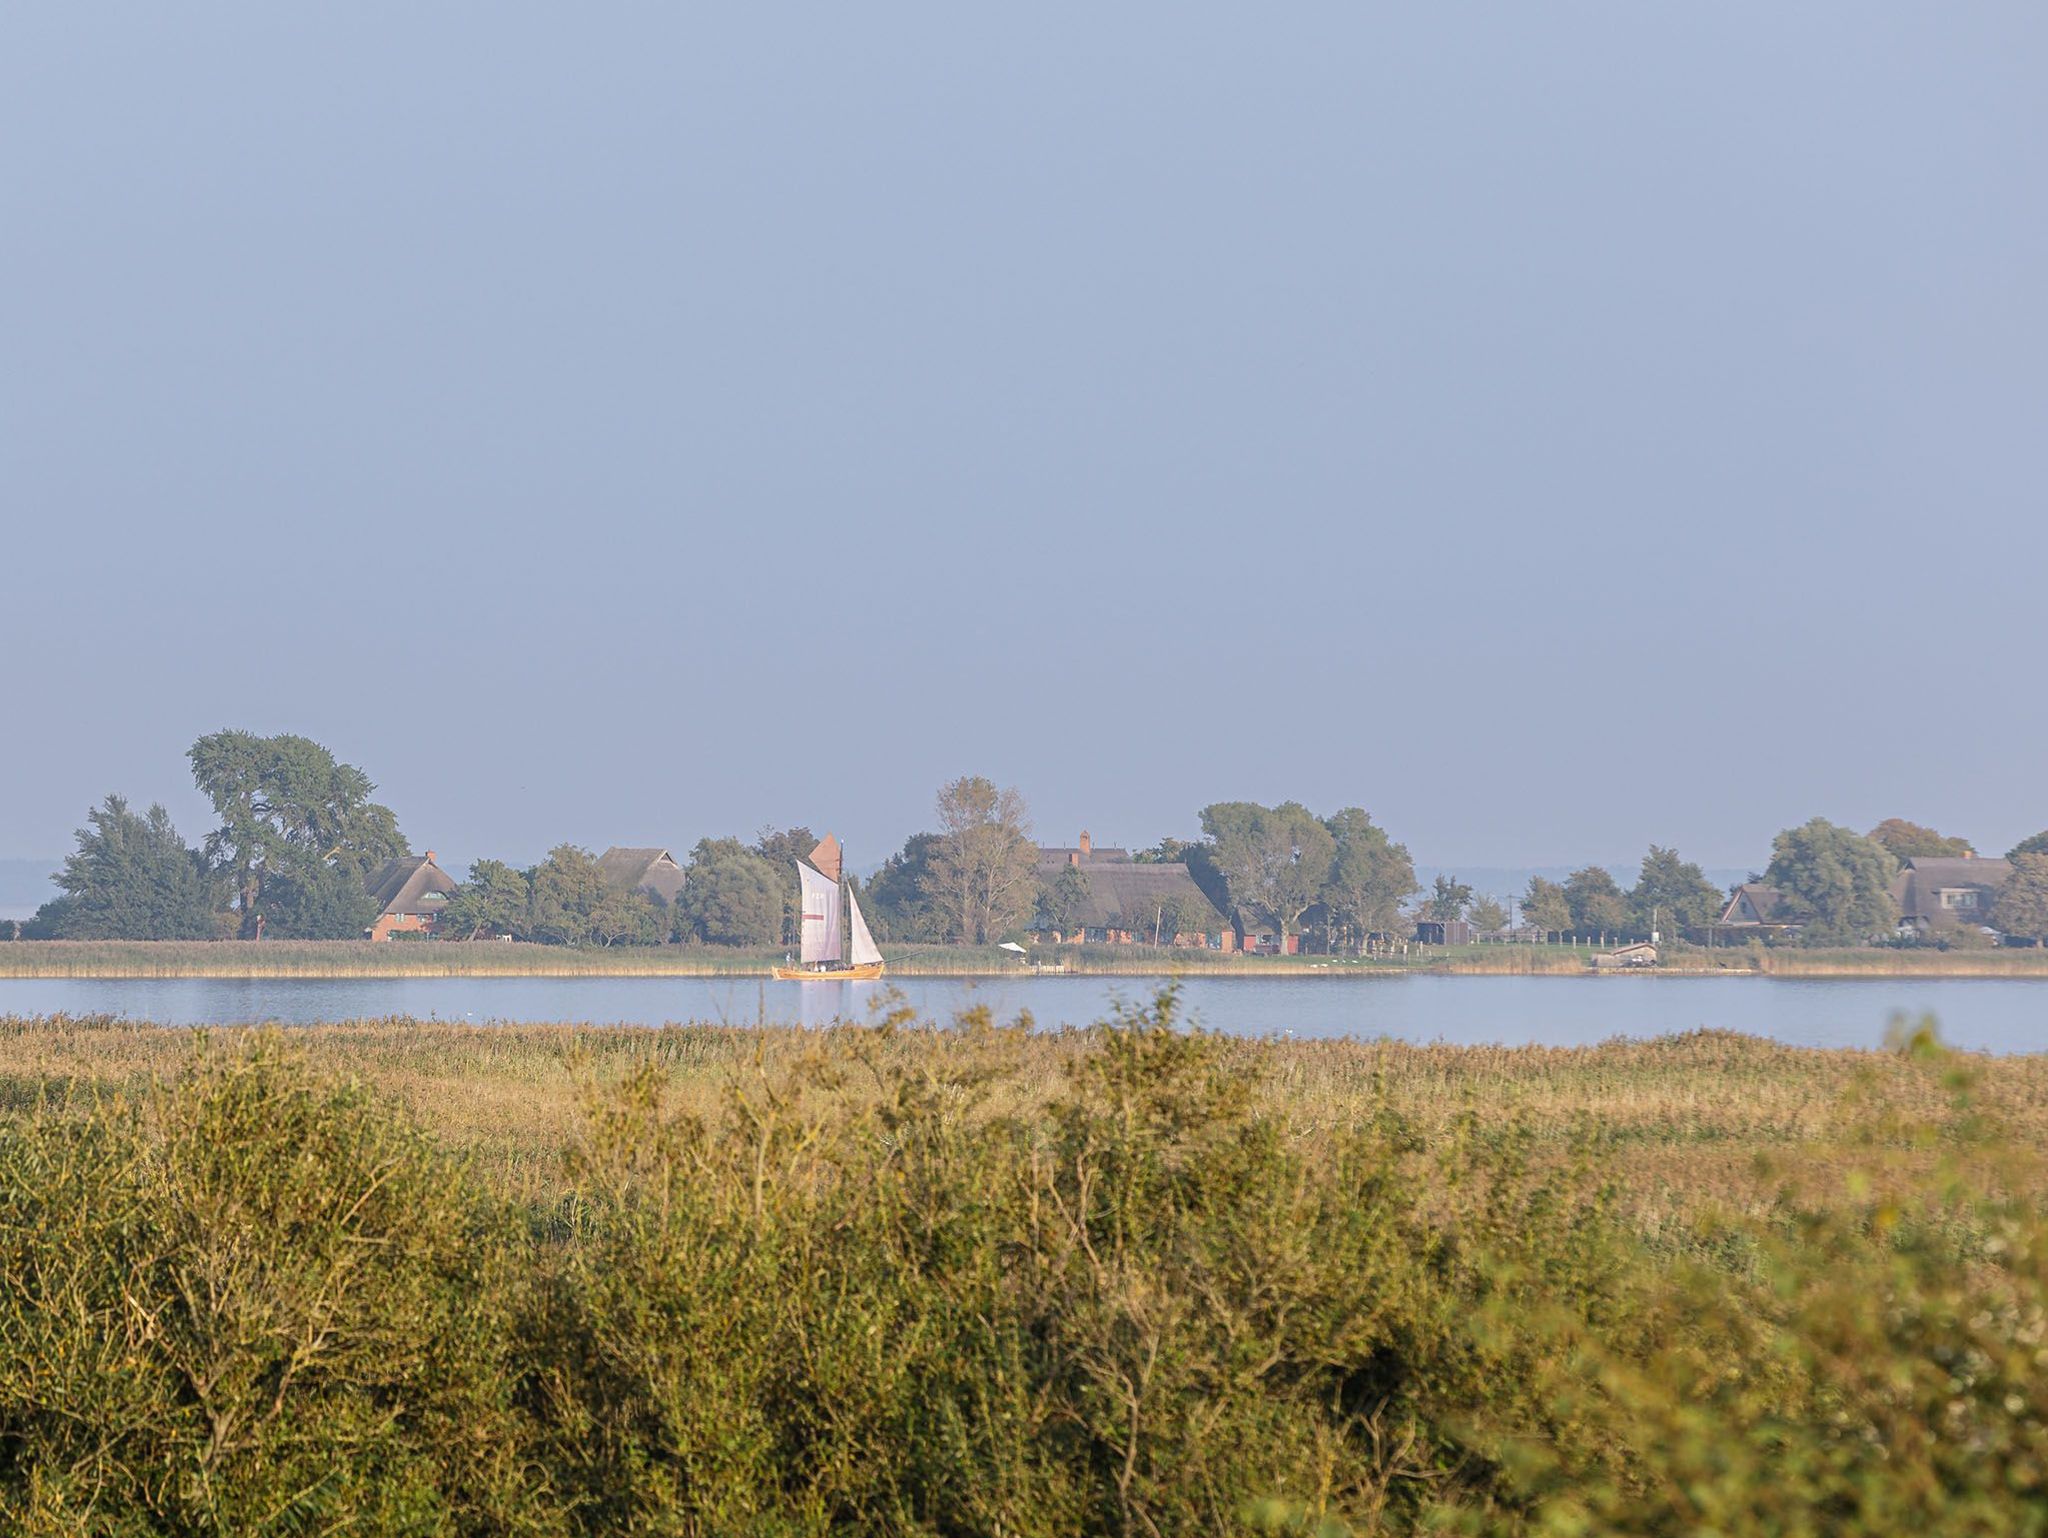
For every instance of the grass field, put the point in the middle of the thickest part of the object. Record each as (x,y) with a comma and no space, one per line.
(346,959)
(415,1277)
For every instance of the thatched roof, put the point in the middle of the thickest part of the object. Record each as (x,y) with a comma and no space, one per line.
(412,883)
(1919,886)
(1125,895)
(650,870)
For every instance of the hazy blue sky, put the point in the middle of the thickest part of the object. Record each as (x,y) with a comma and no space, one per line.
(1552,427)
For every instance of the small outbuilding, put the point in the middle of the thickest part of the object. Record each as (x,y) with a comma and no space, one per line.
(1443,932)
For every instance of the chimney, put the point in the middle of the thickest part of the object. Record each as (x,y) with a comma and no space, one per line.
(430,857)
(1087,845)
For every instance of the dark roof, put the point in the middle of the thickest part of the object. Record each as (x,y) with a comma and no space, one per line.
(1919,886)
(412,883)
(1754,903)
(1126,895)
(641,870)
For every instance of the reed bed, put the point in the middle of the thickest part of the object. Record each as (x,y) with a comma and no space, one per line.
(418,1277)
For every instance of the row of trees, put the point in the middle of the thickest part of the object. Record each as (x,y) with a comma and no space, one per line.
(298,834)
(1670,894)
(973,880)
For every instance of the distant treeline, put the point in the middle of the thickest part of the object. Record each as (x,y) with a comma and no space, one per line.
(298,838)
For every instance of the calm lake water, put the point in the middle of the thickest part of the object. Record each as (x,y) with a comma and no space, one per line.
(1990,1015)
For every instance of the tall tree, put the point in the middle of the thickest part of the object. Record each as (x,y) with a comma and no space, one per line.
(130,878)
(1836,882)
(1447,901)
(981,873)
(1909,840)
(733,895)
(2021,907)
(306,898)
(1545,906)
(1672,892)
(2038,844)
(286,805)
(895,901)
(1596,901)
(493,901)
(1370,876)
(567,893)
(1488,916)
(1275,861)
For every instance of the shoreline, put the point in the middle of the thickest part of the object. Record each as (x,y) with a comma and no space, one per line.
(342,961)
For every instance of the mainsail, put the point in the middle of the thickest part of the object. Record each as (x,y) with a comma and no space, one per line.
(821,933)
(864,953)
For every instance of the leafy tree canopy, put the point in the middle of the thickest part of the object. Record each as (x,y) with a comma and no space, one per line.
(1488,916)
(571,905)
(895,902)
(1545,906)
(286,804)
(1596,901)
(2021,907)
(1447,901)
(2038,844)
(733,895)
(1275,861)
(1909,841)
(130,878)
(1672,893)
(1370,875)
(312,899)
(493,901)
(981,873)
(1836,881)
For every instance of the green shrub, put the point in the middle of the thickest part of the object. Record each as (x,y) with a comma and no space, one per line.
(888,1290)
(251,1304)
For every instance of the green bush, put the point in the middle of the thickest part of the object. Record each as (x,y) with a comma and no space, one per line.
(257,1302)
(251,1304)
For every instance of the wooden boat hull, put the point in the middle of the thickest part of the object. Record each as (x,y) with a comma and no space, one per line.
(866,974)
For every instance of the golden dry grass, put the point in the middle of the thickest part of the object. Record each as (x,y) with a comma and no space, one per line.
(1685,1121)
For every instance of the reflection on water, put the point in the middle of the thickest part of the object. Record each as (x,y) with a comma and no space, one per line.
(1997,1015)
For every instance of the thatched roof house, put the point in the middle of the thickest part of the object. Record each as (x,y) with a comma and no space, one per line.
(653,871)
(410,892)
(1122,902)
(1934,889)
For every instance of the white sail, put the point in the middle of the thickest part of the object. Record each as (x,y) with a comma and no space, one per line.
(821,916)
(863,952)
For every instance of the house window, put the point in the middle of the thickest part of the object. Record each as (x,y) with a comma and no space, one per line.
(1959,897)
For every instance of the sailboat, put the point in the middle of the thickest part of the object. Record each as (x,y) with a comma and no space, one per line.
(830,952)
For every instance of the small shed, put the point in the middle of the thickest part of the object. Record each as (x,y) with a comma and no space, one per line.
(1443,932)
(1641,954)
